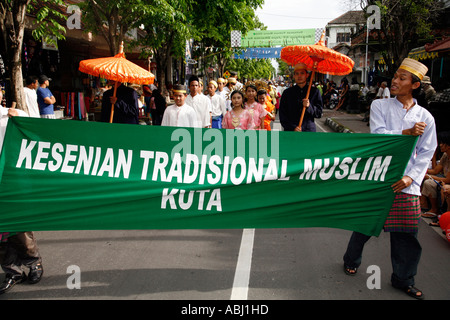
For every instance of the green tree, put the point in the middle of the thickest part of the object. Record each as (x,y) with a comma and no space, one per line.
(405,24)
(252,69)
(209,23)
(283,68)
(113,19)
(12,27)
(166,32)
(213,22)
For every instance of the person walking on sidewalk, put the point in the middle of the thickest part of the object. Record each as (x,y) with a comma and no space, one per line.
(401,115)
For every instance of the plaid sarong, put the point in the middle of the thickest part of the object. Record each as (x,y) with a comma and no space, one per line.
(4,236)
(404,215)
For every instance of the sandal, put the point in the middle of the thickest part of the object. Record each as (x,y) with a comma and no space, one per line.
(429,214)
(434,224)
(413,292)
(349,270)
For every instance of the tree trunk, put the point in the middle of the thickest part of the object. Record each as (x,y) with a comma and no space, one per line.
(221,64)
(162,55)
(15,43)
(161,66)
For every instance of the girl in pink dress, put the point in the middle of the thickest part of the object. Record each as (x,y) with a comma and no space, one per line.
(238,117)
(256,109)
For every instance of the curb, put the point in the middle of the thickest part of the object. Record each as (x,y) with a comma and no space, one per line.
(337,127)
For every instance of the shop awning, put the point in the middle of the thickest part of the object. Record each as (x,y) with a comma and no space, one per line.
(421,54)
(438,46)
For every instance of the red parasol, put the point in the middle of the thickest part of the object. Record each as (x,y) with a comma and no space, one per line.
(118,69)
(317,58)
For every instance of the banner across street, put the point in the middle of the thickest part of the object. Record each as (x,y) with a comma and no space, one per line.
(68,175)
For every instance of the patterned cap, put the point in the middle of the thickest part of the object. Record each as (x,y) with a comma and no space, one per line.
(415,67)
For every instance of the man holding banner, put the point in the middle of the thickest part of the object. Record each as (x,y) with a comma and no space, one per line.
(17,249)
(402,115)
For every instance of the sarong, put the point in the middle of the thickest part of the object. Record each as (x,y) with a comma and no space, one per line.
(404,214)
(4,236)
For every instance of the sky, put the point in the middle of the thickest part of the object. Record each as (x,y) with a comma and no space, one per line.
(301,14)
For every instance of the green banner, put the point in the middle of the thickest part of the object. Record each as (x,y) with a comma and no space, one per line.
(69,175)
(273,38)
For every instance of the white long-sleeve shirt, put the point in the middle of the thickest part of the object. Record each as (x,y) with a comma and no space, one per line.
(387,116)
(183,116)
(218,105)
(202,106)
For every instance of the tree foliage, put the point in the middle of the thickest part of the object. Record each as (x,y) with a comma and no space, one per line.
(405,24)
(113,19)
(209,23)
(12,26)
(214,24)
(252,69)
(49,20)
(169,23)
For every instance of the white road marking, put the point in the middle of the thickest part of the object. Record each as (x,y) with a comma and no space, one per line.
(320,127)
(244,263)
(243,266)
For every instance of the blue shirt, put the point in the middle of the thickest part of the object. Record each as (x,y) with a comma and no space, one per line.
(44,108)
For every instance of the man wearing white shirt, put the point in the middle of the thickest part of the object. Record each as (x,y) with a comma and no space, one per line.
(218,105)
(403,116)
(238,85)
(179,114)
(386,94)
(200,103)
(221,83)
(228,90)
(31,97)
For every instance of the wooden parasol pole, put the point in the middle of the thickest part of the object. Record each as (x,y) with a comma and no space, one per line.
(116,84)
(307,95)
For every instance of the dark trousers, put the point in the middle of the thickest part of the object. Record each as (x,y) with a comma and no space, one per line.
(20,250)
(405,256)
(156,117)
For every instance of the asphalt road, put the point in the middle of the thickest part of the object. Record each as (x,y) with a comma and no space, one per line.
(286,264)
(196,265)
